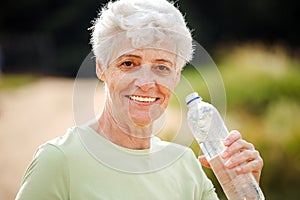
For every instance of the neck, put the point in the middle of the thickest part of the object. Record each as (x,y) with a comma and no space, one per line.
(129,136)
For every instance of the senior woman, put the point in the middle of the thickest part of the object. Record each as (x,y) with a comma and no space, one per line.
(141,47)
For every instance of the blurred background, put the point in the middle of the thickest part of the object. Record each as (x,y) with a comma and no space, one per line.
(255,44)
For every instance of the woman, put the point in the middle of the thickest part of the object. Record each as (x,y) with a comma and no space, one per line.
(140,47)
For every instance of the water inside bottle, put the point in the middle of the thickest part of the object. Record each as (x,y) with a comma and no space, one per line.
(230,181)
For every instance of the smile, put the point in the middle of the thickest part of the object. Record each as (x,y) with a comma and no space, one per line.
(142,99)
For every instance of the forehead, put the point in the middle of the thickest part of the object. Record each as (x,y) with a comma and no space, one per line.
(156,50)
(150,54)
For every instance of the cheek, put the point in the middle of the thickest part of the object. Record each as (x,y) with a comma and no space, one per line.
(167,92)
(110,88)
(168,83)
(113,81)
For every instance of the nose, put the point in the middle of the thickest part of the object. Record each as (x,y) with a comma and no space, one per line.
(145,79)
(146,86)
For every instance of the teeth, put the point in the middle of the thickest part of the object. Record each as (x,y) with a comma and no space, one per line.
(142,99)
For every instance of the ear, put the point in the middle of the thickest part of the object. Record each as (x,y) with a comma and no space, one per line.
(100,70)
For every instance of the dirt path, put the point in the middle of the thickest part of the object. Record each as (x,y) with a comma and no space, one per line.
(29,116)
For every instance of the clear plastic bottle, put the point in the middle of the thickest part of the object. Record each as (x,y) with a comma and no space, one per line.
(209,130)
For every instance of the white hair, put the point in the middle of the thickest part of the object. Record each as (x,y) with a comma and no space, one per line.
(146,23)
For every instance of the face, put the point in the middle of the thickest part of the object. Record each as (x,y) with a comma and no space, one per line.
(139,85)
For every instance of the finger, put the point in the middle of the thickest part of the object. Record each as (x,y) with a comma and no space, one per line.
(237,147)
(254,167)
(245,156)
(203,161)
(232,137)
(247,167)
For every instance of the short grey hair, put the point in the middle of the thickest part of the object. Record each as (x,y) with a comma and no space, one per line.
(146,23)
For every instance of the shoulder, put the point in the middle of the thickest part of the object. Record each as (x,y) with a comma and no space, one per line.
(49,156)
(54,151)
(63,144)
(63,140)
(47,175)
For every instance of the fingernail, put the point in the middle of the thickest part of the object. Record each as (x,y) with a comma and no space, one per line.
(238,169)
(224,154)
(227,163)
(226,142)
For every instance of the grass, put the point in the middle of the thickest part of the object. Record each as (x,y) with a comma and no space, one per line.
(13,81)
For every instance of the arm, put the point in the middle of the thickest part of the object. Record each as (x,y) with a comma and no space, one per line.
(46,176)
(240,155)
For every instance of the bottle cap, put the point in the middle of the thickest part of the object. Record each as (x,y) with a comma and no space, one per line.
(191,97)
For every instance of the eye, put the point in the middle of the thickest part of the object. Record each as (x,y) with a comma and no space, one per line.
(162,69)
(127,64)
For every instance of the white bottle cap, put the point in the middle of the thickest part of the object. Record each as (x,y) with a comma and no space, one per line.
(191,97)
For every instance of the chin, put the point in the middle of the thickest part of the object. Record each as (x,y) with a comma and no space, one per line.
(148,120)
(142,123)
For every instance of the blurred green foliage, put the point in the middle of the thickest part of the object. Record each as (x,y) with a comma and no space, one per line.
(262,86)
(12,81)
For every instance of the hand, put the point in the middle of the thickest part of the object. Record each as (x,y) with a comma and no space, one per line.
(240,155)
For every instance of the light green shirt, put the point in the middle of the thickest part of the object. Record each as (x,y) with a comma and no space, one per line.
(82,165)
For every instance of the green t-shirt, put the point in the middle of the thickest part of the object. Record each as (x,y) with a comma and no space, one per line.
(82,165)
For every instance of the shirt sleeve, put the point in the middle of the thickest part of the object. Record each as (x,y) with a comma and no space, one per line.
(209,189)
(206,187)
(46,178)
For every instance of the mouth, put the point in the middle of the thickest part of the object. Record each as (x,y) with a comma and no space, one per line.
(142,99)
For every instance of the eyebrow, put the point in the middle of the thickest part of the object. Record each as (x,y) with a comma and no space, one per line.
(139,57)
(129,56)
(164,60)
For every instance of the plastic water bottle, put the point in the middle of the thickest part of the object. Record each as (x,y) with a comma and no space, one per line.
(209,130)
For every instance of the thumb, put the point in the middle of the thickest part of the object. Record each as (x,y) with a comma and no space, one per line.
(203,161)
